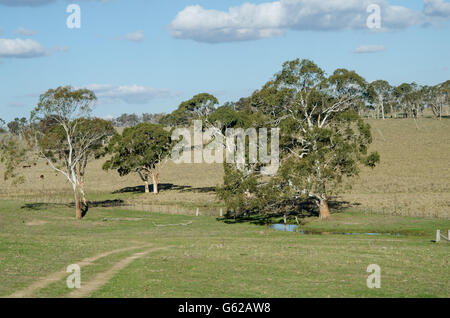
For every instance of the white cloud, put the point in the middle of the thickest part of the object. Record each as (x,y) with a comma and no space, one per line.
(137,36)
(25,32)
(257,21)
(18,48)
(369,49)
(437,8)
(131,94)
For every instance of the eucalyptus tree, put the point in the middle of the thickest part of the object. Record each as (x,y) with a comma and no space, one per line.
(92,127)
(61,134)
(323,139)
(416,100)
(199,106)
(400,94)
(383,91)
(409,98)
(17,126)
(142,149)
(437,97)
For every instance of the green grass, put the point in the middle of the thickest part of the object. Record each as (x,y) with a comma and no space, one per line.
(357,222)
(210,258)
(408,193)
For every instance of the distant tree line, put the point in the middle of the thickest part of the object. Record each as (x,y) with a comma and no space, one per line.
(130,120)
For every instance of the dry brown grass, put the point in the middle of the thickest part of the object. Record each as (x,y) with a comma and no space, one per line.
(412,179)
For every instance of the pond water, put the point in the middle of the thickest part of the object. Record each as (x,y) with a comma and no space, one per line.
(296,229)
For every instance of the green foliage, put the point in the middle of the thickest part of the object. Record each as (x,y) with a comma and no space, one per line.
(238,191)
(436,97)
(199,106)
(323,140)
(17,126)
(139,149)
(65,103)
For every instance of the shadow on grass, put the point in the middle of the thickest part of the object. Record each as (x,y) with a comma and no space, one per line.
(301,211)
(166,187)
(91,204)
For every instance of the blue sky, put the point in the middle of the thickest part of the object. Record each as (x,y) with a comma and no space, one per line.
(147,56)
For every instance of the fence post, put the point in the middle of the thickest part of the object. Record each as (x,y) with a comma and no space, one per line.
(196,213)
(438,236)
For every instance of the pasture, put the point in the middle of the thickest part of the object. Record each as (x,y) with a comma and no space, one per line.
(155,246)
(139,254)
(412,178)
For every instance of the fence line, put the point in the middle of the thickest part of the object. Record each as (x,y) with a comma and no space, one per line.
(439,236)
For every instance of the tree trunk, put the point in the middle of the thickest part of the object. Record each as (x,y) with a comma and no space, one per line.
(79,214)
(323,208)
(155,183)
(83,193)
(147,189)
(392,115)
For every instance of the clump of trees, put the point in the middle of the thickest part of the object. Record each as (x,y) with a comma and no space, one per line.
(17,126)
(130,120)
(406,100)
(142,149)
(323,140)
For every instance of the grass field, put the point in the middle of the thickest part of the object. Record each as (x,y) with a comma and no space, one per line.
(209,258)
(413,177)
(135,251)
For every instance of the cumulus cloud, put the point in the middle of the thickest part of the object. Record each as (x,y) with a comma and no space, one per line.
(25,32)
(137,36)
(369,49)
(26,48)
(437,8)
(131,94)
(257,21)
(18,48)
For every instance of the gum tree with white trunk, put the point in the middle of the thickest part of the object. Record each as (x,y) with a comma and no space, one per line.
(323,139)
(143,150)
(56,133)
